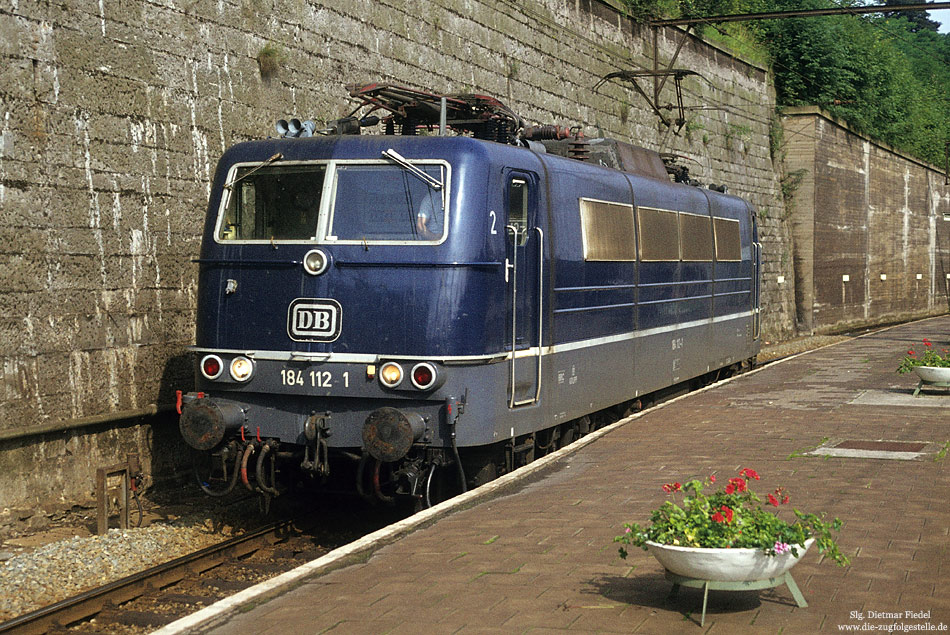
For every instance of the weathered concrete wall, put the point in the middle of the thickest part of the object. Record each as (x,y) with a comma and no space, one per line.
(868,224)
(799,150)
(111,118)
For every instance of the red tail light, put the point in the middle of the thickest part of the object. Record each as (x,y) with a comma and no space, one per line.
(211,366)
(423,375)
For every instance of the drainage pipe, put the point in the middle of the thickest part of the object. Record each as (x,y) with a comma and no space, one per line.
(83,422)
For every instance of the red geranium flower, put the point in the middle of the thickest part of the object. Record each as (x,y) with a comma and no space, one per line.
(749,473)
(772,500)
(927,342)
(712,478)
(719,518)
(736,484)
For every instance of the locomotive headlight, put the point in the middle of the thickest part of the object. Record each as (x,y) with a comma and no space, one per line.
(315,262)
(423,376)
(241,368)
(211,366)
(390,374)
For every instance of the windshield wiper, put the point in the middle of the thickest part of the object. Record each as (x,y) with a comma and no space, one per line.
(428,179)
(275,157)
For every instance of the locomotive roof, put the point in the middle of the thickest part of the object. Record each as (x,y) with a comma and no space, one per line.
(606,154)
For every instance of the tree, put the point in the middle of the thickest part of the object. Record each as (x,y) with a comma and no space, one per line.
(920,20)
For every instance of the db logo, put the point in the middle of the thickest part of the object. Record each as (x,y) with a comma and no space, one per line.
(314,320)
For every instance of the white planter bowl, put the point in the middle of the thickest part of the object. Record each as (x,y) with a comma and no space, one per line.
(726,565)
(933,374)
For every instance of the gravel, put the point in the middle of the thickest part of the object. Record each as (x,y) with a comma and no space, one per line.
(59,570)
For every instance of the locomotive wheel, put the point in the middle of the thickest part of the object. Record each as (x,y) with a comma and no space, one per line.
(584,425)
(481,466)
(488,472)
(568,433)
(547,441)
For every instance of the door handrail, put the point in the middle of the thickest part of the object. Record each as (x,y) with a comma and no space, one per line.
(514,309)
(537,391)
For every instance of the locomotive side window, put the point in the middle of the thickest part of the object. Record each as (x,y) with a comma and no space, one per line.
(659,235)
(273,203)
(696,241)
(607,231)
(728,242)
(383,202)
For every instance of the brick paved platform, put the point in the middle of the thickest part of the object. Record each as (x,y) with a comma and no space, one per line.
(540,558)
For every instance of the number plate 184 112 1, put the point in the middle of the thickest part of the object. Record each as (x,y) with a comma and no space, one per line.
(313,378)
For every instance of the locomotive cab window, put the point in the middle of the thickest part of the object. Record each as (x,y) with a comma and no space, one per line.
(272,203)
(387,203)
(518,208)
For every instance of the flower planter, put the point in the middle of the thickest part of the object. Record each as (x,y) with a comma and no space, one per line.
(728,569)
(720,519)
(932,376)
(725,565)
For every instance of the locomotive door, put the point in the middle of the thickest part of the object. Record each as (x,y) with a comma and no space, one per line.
(523,264)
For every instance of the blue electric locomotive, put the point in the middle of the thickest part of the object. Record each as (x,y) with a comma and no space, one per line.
(406,310)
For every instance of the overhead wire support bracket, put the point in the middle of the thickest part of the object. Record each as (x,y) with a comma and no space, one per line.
(803,13)
(676,73)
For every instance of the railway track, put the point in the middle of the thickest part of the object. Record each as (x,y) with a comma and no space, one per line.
(156,596)
(156,581)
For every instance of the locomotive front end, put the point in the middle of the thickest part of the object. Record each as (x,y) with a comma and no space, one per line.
(329,302)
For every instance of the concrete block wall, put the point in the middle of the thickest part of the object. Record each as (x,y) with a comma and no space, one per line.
(868,224)
(111,119)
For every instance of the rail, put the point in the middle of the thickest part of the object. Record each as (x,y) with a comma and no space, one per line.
(91,602)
